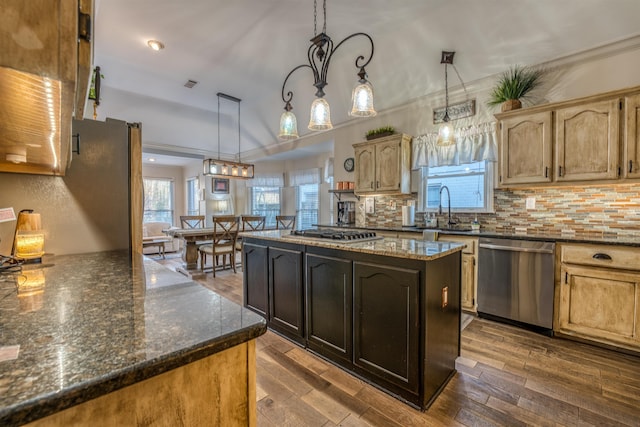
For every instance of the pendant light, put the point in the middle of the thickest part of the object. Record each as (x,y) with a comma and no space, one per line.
(225,168)
(445,133)
(319,55)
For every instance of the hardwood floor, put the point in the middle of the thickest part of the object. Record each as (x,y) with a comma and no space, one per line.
(506,377)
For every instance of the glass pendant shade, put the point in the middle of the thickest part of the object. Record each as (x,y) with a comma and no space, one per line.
(288,126)
(445,134)
(362,100)
(320,117)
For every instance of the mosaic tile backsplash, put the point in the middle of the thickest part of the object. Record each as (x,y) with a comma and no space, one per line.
(601,209)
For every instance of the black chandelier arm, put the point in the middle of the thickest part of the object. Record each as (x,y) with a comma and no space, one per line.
(359,57)
(289,96)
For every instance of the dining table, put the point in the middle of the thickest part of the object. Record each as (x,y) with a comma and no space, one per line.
(192,238)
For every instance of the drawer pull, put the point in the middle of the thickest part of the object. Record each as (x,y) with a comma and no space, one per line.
(601,256)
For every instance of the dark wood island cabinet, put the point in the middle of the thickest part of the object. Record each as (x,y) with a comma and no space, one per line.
(386,310)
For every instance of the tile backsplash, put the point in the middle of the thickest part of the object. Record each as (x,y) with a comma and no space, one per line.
(582,209)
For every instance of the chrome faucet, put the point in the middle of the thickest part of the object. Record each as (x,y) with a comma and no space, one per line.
(449,222)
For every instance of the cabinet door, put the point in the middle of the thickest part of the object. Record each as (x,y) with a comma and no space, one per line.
(600,304)
(286,293)
(255,278)
(631,162)
(365,161)
(587,139)
(468,299)
(329,307)
(388,163)
(525,149)
(386,323)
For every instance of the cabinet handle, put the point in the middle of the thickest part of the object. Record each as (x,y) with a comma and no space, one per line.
(84,26)
(619,170)
(371,185)
(445,297)
(630,165)
(566,278)
(546,172)
(559,170)
(600,255)
(377,184)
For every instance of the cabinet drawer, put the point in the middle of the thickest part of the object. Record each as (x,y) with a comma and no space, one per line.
(627,258)
(470,242)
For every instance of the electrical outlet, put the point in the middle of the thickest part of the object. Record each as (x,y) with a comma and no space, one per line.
(392,205)
(530,202)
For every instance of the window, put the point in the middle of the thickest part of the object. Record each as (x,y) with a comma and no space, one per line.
(470,186)
(265,201)
(307,205)
(158,200)
(192,197)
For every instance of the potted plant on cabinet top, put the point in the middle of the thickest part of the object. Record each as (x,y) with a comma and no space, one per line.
(514,85)
(380,132)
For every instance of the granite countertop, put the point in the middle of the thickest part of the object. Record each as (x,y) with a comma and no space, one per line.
(539,235)
(80,326)
(394,247)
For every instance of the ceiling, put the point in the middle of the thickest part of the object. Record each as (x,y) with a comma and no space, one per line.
(245,48)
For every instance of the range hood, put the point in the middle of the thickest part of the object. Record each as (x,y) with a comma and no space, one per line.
(35,123)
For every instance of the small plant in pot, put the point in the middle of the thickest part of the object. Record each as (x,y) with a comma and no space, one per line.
(514,85)
(380,132)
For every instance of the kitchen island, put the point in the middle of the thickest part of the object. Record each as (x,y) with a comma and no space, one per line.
(386,310)
(104,336)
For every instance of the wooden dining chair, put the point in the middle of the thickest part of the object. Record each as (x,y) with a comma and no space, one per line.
(225,234)
(191,221)
(285,222)
(250,223)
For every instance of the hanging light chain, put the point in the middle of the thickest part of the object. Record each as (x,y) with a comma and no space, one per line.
(218,126)
(315,18)
(324,15)
(240,161)
(446,91)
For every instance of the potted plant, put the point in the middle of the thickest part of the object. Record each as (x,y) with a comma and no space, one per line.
(514,85)
(380,132)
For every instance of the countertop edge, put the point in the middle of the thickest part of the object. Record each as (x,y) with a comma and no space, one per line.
(43,406)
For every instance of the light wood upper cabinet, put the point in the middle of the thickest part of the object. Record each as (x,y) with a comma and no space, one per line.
(525,149)
(365,164)
(591,139)
(598,294)
(631,163)
(587,141)
(41,49)
(383,166)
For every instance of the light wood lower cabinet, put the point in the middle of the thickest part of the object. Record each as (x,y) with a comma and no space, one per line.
(469,270)
(598,294)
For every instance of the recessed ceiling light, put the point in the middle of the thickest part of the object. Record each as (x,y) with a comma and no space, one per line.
(155,44)
(152,159)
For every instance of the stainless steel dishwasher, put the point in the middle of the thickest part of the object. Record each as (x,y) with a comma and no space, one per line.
(515,281)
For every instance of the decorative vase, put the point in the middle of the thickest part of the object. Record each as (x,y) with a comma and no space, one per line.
(378,135)
(511,104)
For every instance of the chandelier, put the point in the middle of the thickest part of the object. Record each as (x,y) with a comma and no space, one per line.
(319,55)
(225,168)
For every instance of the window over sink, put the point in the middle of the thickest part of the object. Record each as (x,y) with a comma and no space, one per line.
(470,186)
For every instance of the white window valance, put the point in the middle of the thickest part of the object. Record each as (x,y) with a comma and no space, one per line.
(304,176)
(275,179)
(473,144)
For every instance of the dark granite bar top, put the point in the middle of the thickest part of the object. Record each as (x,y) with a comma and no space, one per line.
(402,248)
(540,235)
(80,326)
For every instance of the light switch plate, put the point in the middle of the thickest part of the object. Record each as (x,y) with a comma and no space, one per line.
(369,205)
(530,202)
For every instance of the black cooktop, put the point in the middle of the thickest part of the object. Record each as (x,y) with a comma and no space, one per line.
(335,234)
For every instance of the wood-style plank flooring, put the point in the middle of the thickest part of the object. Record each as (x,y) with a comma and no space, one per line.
(506,377)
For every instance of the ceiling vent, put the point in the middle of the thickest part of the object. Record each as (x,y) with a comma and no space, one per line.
(190,84)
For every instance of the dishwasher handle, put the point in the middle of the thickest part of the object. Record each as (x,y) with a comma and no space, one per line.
(514,248)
